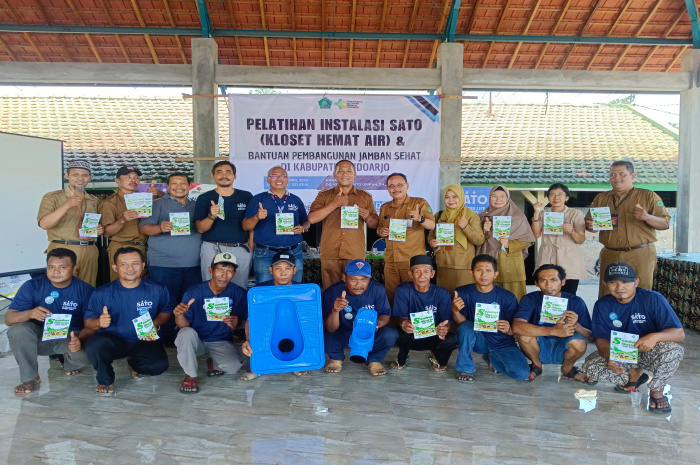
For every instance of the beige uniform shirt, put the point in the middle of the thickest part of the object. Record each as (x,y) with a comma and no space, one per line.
(337,243)
(415,235)
(67,227)
(630,232)
(112,210)
(561,249)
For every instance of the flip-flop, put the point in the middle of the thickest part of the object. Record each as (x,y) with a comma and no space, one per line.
(72,373)
(109,392)
(301,373)
(32,383)
(657,401)
(248,376)
(397,366)
(465,374)
(376,369)
(643,378)
(189,383)
(436,367)
(571,376)
(212,372)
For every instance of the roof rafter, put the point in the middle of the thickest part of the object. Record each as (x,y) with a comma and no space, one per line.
(61,40)
(323,29)
(12,55)
(445,23)
(264,26)
(149,42)
(554,30)
(514,55)
(26,35)
(583,31)
(381,31)
(610,31)
(93,47)
(169,13)
(637,34)
(293,21)
(667,32)
(352,29)
(411,23)
(498,26)
(116,36)
(472,18)
(676,58)
(235,38)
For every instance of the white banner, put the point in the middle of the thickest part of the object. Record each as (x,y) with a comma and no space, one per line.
(309,134)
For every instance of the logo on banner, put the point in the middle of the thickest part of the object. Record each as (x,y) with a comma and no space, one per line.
(325,103)
(476,198)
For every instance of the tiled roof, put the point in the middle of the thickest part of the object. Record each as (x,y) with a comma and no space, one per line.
(538,144)
(519,144)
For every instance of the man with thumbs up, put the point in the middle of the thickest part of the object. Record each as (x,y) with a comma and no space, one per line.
(263,218)
(56,292)
(219,215)
(429,306)
(636,216)
(121,312)
(340,304)
(208,314)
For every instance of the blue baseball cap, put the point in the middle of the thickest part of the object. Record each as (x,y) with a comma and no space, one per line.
(358,268)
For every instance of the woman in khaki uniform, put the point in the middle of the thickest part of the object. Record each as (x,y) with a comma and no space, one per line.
(510,251)
(562,249)
(454,262)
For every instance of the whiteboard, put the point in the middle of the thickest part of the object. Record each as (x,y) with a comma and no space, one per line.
(29,168)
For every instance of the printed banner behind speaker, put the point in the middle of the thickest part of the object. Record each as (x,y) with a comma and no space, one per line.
(309,134)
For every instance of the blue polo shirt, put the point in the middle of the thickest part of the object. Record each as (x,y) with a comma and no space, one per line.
(373,298)
(271,282)
(125,304)
(230,229)
(39,292)
(647,312)
(408,299)
(507,301)
(531,306)
(212,331)
(165,249)
(265,229)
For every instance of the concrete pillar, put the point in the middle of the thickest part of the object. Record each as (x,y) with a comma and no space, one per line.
(688,212)
(205,111)
(450,62)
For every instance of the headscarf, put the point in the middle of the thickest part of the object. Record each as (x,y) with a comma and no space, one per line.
(452,215)
(519,227)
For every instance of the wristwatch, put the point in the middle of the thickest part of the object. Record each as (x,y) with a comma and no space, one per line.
(211,217)
(422,219)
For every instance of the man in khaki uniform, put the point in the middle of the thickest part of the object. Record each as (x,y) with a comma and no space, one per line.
(420,218)
(339,246)
(121,226)
(636,215)
(61,215)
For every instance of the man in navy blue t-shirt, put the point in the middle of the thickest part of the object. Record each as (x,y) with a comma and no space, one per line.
(421,301)
(561,342)
(208,313)
(631,310)
(116,310)
(262,215)
(218,215)
(57,292)
(498,346)
(341,303)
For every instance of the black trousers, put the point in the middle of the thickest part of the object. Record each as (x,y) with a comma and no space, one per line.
(145,357)
(441,348)
(570,286)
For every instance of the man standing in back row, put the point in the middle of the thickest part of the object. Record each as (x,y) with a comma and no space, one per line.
(340,243)
(636,216)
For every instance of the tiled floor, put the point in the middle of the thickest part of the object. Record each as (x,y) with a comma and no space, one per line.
(413,416)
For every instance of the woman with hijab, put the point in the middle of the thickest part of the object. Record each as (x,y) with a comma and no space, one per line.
(454,262)
(510,251)
(562,249)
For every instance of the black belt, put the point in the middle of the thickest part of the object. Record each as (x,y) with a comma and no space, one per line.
(142,244)
(75,242)
(228,244)
(275,249)
(627,249)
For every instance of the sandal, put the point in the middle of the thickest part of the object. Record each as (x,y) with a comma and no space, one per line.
(465,377)
(643,378)
(28,386)
(376,369)
(571,376)
(212,372)
(397,366)
(72,373)
(248,376)
(534,370)
(659,400)
(437,368)
(190,383)
(334,366)
(109,390)
(301,373)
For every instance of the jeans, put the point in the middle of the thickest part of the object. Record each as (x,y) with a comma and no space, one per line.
(177,280)
(263,260)
(507,360)
(337,341)
(145,357)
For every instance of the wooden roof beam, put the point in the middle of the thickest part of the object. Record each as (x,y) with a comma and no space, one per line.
(381,29)
(527,28)
(116,36)
(498,26)
(667,32)
(323,29)
(235,38)
(441,27)
(583,31)
(26,35)
(352,29)
(411,24)
(610,31)
(264,26)
(637,34)
(293,21)
(169,13)
(680,54)
(472,18)
(88,37)
(554,30)
(149,42)
(61,40)
(11,54)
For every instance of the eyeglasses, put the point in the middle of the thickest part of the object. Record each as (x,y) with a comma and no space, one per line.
(393,186)
(498,197)
(278,176)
